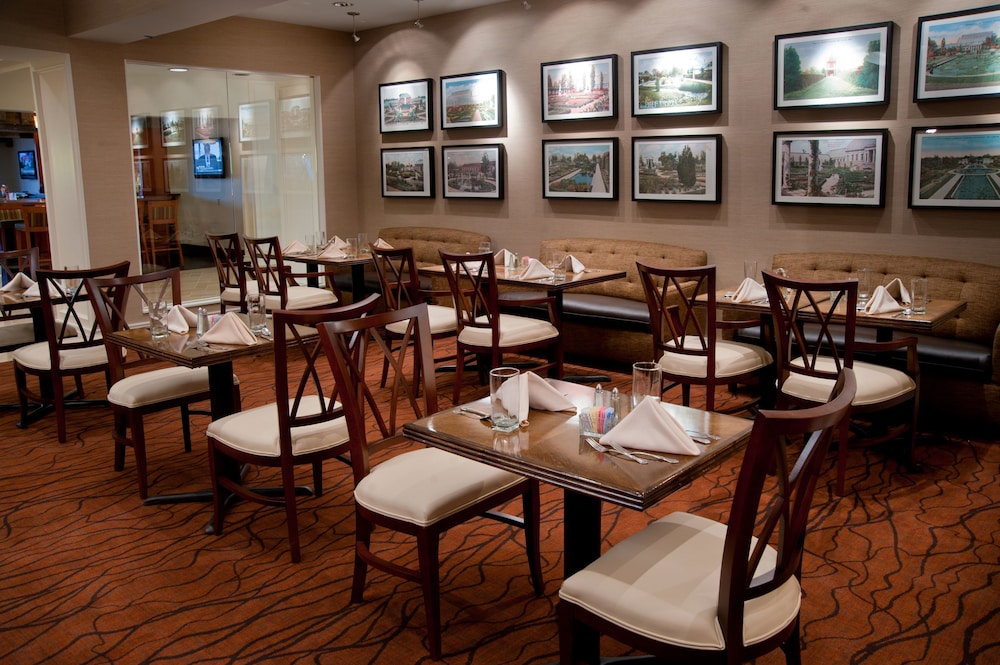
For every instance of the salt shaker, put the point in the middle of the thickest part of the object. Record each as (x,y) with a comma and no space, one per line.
(202,322)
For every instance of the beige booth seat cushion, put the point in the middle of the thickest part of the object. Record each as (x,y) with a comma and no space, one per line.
(256,431)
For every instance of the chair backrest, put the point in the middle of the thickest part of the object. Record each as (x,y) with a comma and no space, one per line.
(472,279)
(773,496)
(802,313)
(680,322)
(18,260)
(397,275)
(114,305)
(162,211)
(359,347)
(36,218)
(227,252)
(264,258)
(306,394)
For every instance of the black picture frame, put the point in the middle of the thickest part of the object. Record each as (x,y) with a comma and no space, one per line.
(571,167)
(949,47)
(851,164)
(472,171)
(564,99)
(27,166)
(472,100)
(408,172)
(680,80)
(677,168)
(955,167)
(406,106)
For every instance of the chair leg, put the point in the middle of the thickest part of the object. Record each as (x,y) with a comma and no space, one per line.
(427,547)
(793,647)
(531,509)
(317,469)
(362,542)
(291,512)
(121,431)
(59,399)
(459,375)
(842,445)
(216,465)
(139,446)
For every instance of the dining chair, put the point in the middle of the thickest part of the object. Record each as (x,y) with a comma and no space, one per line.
(419,492)
(687,341)
(163,231)
(811,349)
(73,347)
(487,333)
(689,589)
(117,302)
(232,269)
(304,425)
(35,233)
(17,327)
(279,286)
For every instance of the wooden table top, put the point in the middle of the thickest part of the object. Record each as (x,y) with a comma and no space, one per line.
(315,258)
(512,276)
(181,349)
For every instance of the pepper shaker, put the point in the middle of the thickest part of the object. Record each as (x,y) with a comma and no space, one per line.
(202,322)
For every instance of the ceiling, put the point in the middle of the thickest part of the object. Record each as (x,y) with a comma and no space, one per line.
(371,13)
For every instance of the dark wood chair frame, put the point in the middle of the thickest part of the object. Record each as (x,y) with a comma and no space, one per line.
(230,265)
(273,276)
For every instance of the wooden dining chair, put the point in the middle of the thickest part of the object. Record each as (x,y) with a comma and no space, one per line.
(236,276)
(689,589)
(811,349)
(163,231)
(279,286)
(486,333)
(422,492)
(18,328)
(35,233)
(687,335)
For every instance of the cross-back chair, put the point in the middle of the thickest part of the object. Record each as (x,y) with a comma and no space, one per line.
(232,269)
(35,233)
(422,492)
(689,589)
(163,236)
(811,351)
(279,286)
(686,335)
(18,328)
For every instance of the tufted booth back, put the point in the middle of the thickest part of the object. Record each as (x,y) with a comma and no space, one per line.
(426,240)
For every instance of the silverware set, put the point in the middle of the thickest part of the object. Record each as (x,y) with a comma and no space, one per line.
(634,455)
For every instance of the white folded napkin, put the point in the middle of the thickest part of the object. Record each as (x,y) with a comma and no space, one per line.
(650,427)
(898,291)
(295,247)
(881,302)
(382,244)
(537,393)
(572,264)
(502,257)
(18,282)
(332,252)
(180,319)
(749,290)
(337,243)
(32,291)
(230,329)
(536,270)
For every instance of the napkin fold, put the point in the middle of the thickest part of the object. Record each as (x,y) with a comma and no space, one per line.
(332,252)
(230,329)
(502,257)
(32,291)
(337,243)
(19,282)
(180,319)
(898,291)
(536,270)
(881,302)
(295,247)
(749,290)
(537,393)
(649,427)
(382,244)
(572,264)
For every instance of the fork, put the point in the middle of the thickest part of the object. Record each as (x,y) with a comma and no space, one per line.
(635,455)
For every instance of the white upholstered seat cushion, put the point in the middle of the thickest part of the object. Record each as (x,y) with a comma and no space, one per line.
(731,359)
(441,319)
(875,383)
(231,294)
(514,331)
(303,297)
(18,334)
(36,356)
(159,385)
(663,583)
(256,431)
(424,486)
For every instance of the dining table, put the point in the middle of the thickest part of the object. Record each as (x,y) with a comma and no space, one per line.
(357,263)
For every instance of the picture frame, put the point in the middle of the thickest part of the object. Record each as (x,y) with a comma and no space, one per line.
(950,55)
(27,165)
(680,80)
(580,169)
(408,172)
(472,100)
(139,129)
(173,130)
(677,168)
(847,66)
(175,175)
(295,116)
(955,167)
(848,167)
(406,106)
(580,89)
(472,171)
(143,175)
(205,121)
(255,121)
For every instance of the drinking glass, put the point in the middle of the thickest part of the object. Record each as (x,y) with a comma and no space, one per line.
(485,247)
(158,319)
(750,269)
(70,285)
(646,381)
(864,287)
(554,261)
(363,243)
(349,249)
(256,313)
(505,398)
(918,295)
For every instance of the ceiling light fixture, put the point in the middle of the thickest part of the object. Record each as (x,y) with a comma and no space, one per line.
(178,69)
(354,25)
(417,22)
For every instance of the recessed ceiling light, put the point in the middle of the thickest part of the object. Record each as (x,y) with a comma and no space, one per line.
(178,69)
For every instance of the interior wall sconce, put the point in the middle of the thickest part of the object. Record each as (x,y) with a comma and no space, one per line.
(417,22)
(354,25)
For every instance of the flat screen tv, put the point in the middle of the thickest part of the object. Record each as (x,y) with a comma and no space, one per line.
(208,158)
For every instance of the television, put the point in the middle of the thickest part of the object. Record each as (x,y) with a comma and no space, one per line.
(26,164)
(208,158)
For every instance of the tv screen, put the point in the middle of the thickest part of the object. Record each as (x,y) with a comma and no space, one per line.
(208,161)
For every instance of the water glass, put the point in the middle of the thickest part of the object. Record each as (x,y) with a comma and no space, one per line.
(918,295)
(646,381)
(750,269)
(485,247)
(505,398)
(864,287)
(256,313)
(158,319)
(349,249)
(363,247)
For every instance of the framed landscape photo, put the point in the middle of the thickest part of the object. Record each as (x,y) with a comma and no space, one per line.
(472,171)
(580,169)
(172,131)
(958,55)
(405,106)
(205,121)
(295,116)
(830,168)
(408,172)
(175,174)
(835,67)
(139,127)
(580,89)
(678,80)
(955,167)
(255,121)
(472,100)
(677,168)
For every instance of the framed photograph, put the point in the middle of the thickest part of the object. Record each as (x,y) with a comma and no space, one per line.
(255,121)
(408,172)
(830,168)
(958,55)
(143,175)
(472,100)
(580,89)
(583,169)
(27,167)
(295,117)
(835,67)
(955,167)
(172,131)
(205,121)
(140,131)
(175,174)
(677,168)
(406,106)
(679,80)
(472,171)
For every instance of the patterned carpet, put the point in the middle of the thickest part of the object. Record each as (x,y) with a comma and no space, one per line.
(904,570)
